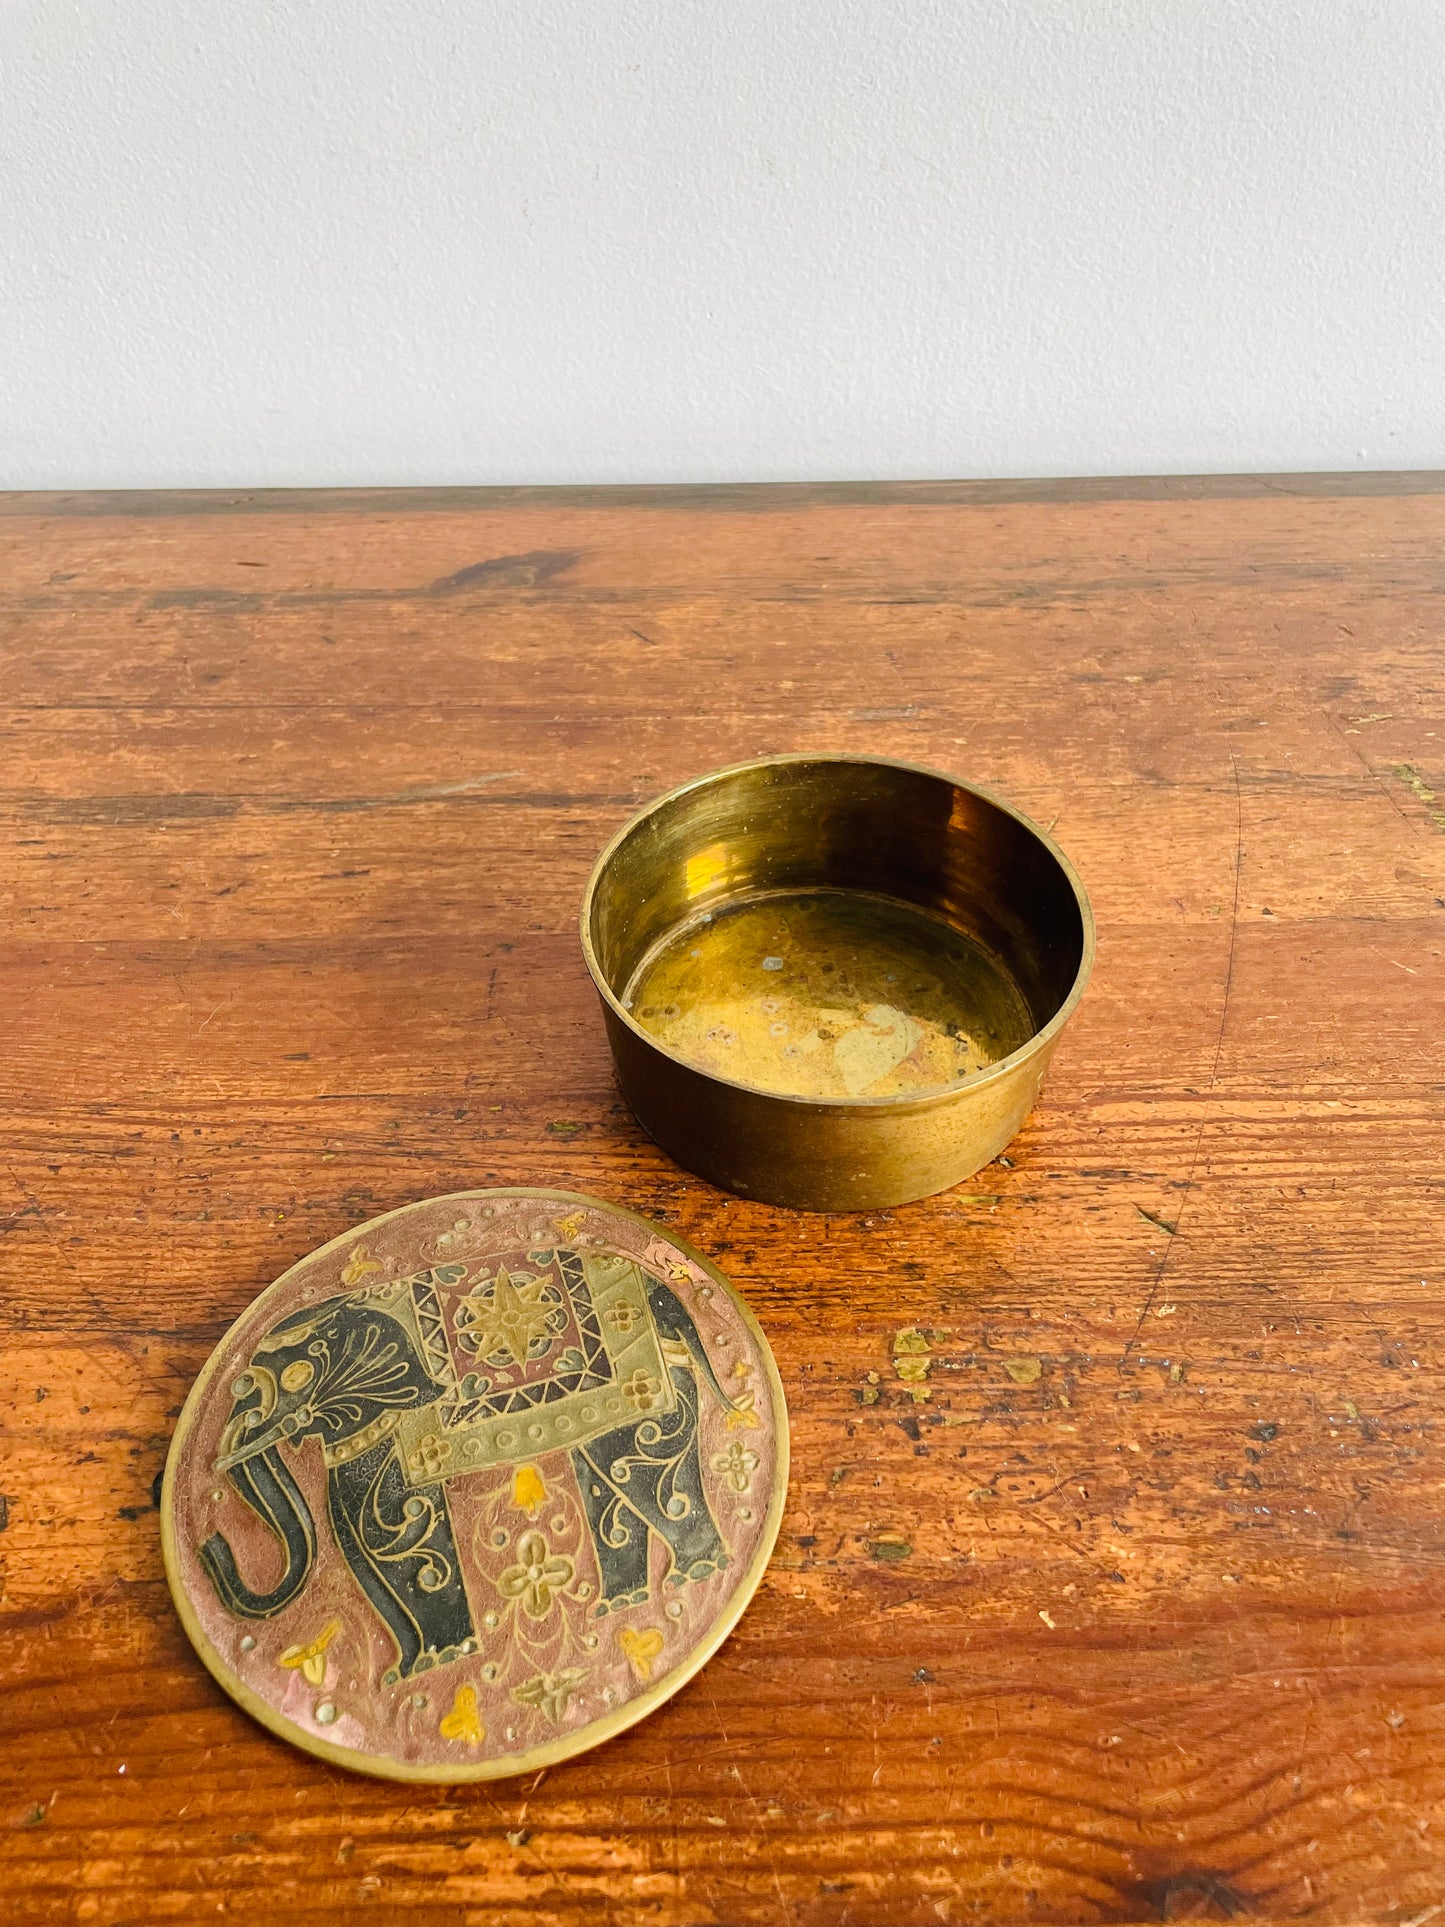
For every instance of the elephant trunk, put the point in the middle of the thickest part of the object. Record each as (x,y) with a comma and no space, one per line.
(276,1499)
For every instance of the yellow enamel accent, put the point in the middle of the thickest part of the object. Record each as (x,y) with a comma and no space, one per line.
(529,1490)
(464,1722)
(312,1659)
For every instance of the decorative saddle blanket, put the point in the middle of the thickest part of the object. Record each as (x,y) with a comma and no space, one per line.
(528,1360)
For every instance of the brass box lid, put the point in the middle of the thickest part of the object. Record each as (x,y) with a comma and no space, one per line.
(476,1485)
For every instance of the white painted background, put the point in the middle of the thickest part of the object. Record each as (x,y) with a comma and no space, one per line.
(647,240)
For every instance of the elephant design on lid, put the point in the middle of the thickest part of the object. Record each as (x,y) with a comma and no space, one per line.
(453,1372)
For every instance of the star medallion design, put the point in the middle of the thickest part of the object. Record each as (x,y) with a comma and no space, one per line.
(506,1323)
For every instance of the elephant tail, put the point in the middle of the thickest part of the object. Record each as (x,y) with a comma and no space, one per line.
(274,1496)
(681,1342)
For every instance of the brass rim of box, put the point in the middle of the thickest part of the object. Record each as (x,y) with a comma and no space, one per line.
(949,1092)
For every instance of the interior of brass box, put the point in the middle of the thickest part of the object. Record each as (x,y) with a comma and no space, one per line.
(835,929)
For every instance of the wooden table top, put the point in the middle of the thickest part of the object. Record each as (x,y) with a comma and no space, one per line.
(1137,1616)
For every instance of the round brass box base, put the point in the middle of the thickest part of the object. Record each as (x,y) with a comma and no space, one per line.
(834,982)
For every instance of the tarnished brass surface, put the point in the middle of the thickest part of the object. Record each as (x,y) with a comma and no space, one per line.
(829,993)
(834,982)
(476,1485)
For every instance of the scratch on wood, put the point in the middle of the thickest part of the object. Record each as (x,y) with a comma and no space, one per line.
(1158,1279)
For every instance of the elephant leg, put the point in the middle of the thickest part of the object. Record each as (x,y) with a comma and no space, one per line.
(398,1541)
(619,1532)
(684,1516)
(648,1477)
(690,1527)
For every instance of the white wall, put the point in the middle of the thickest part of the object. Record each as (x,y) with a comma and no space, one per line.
(646,240)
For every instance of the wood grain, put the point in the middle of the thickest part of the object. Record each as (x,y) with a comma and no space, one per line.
(1138,1616)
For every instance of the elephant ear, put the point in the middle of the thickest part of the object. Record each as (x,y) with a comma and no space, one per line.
(368,1362)
(675,1321)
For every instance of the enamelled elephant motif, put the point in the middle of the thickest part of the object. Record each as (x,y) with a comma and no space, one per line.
(452,1373)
